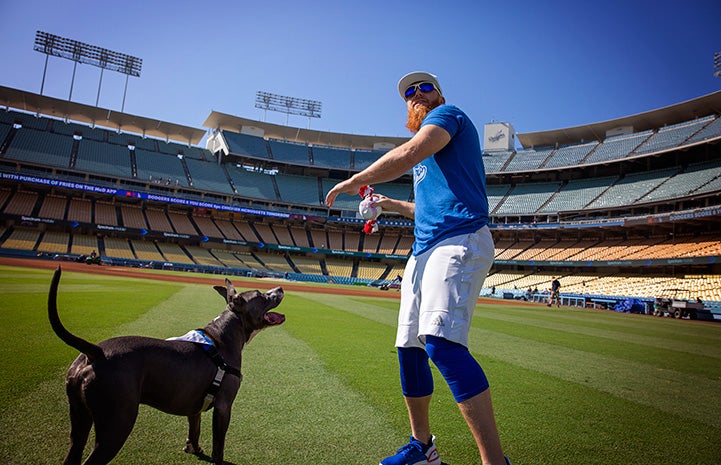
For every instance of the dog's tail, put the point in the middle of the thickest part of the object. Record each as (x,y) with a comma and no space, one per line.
(92,351)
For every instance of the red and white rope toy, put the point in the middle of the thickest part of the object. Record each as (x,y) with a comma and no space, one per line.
(368,210)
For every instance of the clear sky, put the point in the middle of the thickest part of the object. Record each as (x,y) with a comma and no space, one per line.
(539,65)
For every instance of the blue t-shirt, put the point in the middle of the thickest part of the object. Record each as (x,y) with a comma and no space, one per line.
(450,186)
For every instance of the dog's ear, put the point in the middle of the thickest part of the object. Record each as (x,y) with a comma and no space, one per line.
(222,291)
(230,290)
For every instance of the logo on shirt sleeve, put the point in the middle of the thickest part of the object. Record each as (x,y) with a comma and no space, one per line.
(419,173)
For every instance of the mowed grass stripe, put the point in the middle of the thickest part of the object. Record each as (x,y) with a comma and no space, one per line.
(611,337)
(628,348)
(664,328)
(645,384)
(651,385)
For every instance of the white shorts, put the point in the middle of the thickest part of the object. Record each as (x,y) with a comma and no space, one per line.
(440,288)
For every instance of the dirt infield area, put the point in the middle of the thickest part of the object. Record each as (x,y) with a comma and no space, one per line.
(194,278)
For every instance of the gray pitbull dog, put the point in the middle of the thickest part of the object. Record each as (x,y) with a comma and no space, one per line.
(109,380)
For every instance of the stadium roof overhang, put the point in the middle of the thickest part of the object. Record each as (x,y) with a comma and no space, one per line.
(95,116)
(655,119)
(218,120)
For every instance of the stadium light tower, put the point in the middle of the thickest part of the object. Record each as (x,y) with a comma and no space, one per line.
(80,52)
(717,64)
(288,105)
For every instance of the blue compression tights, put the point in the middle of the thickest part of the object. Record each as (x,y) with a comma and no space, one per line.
(464,375)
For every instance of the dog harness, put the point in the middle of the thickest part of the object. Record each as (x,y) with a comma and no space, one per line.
(206,343)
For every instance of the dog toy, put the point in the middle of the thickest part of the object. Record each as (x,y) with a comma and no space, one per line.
(368,209)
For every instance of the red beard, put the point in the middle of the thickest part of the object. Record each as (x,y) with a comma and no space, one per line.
(416,113)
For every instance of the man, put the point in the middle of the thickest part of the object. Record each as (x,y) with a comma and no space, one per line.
(555,292)
(451,256)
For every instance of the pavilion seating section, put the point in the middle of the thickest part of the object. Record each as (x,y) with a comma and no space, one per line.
(21,203)
(22,239)
(146,250)
(307,265)
(275,262)
(370,270)
(158,220)
(528,159)
(253,184)
(53,207)
(298,189)
(300,236)
(331,157)
(672,136)
(54,242)
(102,158)
(289,152)
(362,159)
(160,168)
(631,188)
(570,155)
(338,267)
(84,244)
(526,198)
(227,229)
(208,176)
(495,161)
(319,238)
(80,210)
(711,131)
(181,223)
(207,227)
(613,148)
(245,145)
(202,256)
(133,217)
(106,213)
(577,194)
(695,177)
(40,147)
(174,253)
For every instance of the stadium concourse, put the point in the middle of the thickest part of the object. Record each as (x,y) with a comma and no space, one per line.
(621,209)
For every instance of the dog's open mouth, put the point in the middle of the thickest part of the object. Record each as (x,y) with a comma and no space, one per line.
(273,318)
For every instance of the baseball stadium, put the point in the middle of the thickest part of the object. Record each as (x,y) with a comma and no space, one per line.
(144,216)
(618,210)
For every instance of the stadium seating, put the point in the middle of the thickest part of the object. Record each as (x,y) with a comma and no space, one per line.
(159,168)
(672,136)
(39,147)
(331,157)
(251,184)
(289,152)
(245,145)
(80,210)
(528,159)
(208,176)
(105,159)
(617,147)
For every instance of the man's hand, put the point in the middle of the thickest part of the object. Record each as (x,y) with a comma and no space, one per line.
(406,209)
(347,187)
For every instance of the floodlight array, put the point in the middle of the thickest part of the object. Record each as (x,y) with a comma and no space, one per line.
(290,105)
(51,44)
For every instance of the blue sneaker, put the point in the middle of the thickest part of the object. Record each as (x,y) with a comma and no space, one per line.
(415,453)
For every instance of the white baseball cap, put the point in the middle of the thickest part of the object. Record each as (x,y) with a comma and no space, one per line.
(415,77)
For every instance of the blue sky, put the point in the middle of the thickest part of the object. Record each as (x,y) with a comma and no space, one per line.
(538,65)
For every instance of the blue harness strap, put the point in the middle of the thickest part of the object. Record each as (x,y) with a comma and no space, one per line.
(211,349)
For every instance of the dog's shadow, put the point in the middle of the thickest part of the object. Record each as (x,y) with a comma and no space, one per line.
(206,458)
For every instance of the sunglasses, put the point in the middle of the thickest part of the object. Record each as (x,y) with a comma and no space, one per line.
(424,87)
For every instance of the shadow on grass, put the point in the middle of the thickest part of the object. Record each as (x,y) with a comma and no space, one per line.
(206,458)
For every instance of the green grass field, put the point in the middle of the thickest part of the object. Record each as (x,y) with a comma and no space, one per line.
(569,386)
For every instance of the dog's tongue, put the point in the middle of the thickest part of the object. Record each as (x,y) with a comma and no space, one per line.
(274,318)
